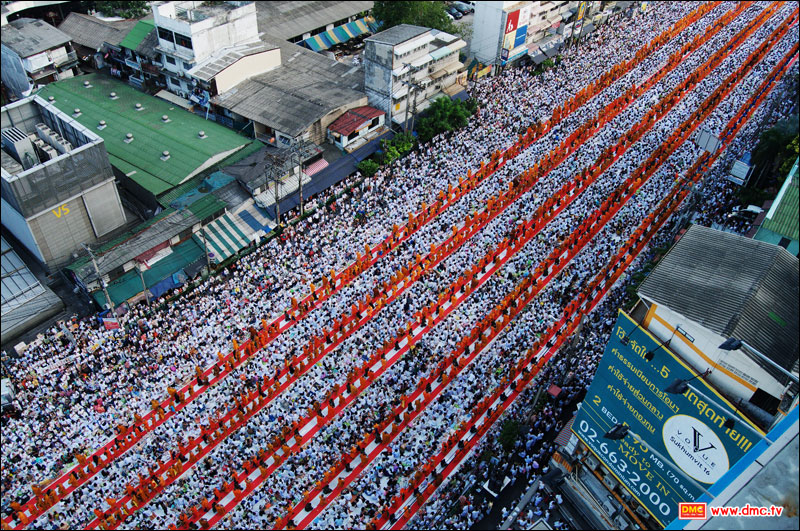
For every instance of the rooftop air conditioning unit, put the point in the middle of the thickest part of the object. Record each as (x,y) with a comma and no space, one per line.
(19,146)
(44,132)
(63,146)
(591,462)
(51,153)
(610,482)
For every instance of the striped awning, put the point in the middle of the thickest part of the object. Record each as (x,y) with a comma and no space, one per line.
(566,432)
(224,237)
(340,34)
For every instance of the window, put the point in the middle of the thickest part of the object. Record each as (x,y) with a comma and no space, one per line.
(375,122)
(352,135)
(186,66)
(166,34)
(170,60)
(183,40)
(784,242)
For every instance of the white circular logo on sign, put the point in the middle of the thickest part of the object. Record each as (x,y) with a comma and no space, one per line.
(695,448)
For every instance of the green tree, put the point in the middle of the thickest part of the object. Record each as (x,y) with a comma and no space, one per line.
(131,9)
(445,114)
(509,434)
(774,147)
(404,142)
(368,167)
(426,14)
(791,153)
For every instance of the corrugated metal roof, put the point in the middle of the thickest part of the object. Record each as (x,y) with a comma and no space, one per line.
(287,20)
(784,217)
(306,87)
(209,68)
(137,34)
(28,36)
(18,283)
(735,287)
(189,154)
(398,34)
(353,119)
(92,32)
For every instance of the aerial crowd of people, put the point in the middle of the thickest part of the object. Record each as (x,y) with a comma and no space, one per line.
(248,401)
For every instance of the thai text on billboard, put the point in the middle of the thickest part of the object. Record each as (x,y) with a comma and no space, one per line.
(686,429)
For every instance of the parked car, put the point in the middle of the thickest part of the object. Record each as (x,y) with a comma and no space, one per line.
(463,7)
(750,212)
(455,13)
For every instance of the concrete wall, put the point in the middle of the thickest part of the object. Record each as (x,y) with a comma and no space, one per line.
(733,372)
(246,67)
(16,224)
(227,28)
(378,75)
(378,53)
(61,230)
(487,35)
(104,208)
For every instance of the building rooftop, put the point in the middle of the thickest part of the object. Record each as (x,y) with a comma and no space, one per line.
(306,87)
(350,121)
(253,170)
(398,34)
(735,287)
(166,225)
(28,36)
(141,159)
(193,11)
(92,32)
(208,69)
(782,217)
(24,299)
(286,20)
(142,38)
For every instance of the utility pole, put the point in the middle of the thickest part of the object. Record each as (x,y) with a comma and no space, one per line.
(277,201)
(144,286)
(102,283)
(205,248)
(296,151)
(300,178)
(414,110)
(408,98)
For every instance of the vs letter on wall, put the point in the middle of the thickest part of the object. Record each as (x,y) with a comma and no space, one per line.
(62,211)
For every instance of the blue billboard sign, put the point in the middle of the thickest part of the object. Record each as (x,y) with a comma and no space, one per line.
(522,34)
(677,444)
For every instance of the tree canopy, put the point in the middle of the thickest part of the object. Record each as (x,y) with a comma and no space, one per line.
(128,9)
(776,148)
(426,14)
(445,114)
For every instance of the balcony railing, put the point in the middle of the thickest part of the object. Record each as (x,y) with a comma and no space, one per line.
(71,57)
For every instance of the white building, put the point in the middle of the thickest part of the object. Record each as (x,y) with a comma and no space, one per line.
(356,127)
(34,52)
(191,32)
(58,188)
(504,31)
(714,285)
(409,66)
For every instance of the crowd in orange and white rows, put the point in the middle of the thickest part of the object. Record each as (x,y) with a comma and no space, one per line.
(74,396)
